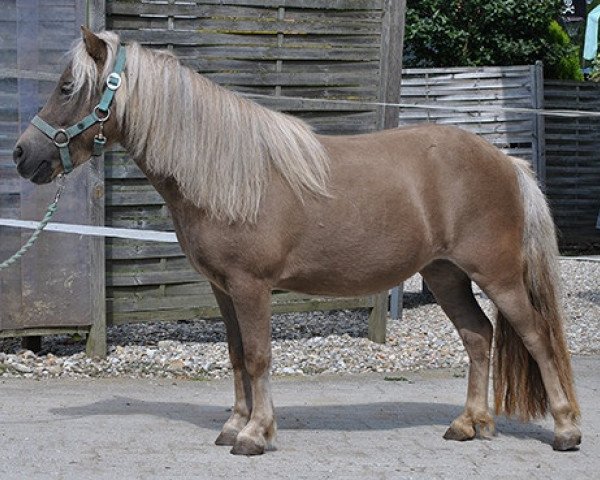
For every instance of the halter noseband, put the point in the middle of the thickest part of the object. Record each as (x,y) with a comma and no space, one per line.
(99,114)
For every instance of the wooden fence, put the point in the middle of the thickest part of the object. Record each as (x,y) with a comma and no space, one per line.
(347,49)
(573,161)
(305,49)
(565,152)
(518,134)
(298,48)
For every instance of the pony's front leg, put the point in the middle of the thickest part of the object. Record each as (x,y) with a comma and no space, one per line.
(243,395)
(252,301)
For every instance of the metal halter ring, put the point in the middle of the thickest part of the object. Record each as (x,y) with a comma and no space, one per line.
(98,117)
(61,144)
(113,76)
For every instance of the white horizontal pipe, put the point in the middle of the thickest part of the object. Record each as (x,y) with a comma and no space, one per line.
(147,235)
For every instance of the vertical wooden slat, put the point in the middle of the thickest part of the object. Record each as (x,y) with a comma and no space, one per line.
(10,239)
(28,93)
(392,39)
(539,141)
(96,341)
(390,65)
(377,319)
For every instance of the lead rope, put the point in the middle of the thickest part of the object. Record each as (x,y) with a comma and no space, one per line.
(49,214)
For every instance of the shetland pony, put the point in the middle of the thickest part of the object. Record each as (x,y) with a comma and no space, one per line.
(259,202)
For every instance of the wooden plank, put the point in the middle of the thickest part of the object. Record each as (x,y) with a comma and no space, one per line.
(151,278)
(312,4)
(377,318)
(198,37)
(138,251)
(96,340)
(40,332)
(275,52)
(392,41)
(272,26)
(14,37)
(323,80)
(162,316)
(317,303)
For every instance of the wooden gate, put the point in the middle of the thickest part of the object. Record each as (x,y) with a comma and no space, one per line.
(59,285)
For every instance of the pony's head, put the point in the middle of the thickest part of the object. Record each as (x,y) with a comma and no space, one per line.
(64,131)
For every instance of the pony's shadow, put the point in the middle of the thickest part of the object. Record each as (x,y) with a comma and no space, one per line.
(416,299)
(592,296)
(380,416)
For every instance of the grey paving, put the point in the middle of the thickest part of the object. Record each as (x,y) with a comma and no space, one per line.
(329,428)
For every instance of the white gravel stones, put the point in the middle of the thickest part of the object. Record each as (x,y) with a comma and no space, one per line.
(303,344)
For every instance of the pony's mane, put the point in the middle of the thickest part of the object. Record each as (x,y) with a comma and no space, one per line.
(219,147)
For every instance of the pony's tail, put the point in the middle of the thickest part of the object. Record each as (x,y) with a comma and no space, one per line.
(518,386)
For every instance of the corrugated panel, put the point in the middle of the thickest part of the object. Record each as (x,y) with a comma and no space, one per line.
(573,160)
(513,133)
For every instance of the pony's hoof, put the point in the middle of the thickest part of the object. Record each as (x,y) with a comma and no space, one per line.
(247,446)
(227,438)
(458,434)
(486,428)
(565,443)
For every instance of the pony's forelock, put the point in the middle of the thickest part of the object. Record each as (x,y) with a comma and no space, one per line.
(87,80)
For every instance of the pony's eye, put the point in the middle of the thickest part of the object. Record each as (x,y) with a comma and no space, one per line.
(66,88)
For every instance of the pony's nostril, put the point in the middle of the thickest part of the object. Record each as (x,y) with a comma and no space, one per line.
(17,153)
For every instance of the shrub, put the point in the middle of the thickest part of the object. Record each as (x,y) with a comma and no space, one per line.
(445,33)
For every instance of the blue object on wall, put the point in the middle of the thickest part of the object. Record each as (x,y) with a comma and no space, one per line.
(590,47)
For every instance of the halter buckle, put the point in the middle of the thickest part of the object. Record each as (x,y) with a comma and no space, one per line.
(99,144)
(98,117)
(57,133)
(113,77)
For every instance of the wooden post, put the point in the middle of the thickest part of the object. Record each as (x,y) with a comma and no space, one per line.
(377,318)
(392,42)
(539,140)
(27,43)
(96,340)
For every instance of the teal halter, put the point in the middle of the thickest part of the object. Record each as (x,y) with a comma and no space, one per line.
(100,114)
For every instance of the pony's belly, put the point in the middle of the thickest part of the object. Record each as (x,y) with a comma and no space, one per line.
(352,280)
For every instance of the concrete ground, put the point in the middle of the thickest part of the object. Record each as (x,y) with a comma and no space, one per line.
(329,427)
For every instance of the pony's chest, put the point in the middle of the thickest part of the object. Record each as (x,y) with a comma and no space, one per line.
(199,246)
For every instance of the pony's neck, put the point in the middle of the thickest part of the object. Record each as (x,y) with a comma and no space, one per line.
(219,147)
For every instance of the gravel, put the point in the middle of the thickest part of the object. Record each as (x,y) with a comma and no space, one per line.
(303,344)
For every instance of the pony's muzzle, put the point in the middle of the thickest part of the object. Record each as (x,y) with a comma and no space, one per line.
(33,164)
(17,154)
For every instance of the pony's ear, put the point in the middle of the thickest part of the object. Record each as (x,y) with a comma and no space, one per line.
(95,46)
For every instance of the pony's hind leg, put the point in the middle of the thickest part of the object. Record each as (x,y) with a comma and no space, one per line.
(242,406)
(520,327)
(453,292)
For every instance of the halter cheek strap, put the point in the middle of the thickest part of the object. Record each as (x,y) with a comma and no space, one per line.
(62,136)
